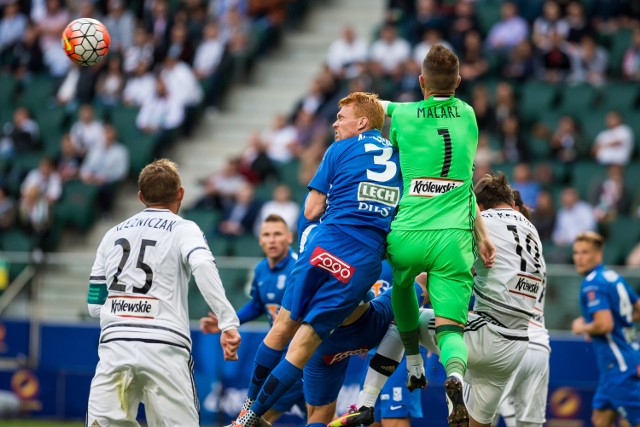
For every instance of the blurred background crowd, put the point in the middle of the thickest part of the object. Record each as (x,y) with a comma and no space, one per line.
(555,85)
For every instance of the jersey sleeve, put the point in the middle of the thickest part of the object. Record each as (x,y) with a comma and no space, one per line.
(195,252)
(322,179)
(253,308)
(97,283)
(595,297)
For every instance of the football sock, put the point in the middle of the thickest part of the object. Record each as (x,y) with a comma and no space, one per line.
(266,359)
(281,379)
(382,365)
(407,312)
(317,425)
(453,350)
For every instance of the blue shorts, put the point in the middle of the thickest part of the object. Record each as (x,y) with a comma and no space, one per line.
(331,277)
(395,400)
(620,394)
(324,373)
(293,396)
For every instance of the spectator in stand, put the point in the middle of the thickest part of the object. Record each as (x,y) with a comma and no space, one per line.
(160,115)
(281,140)
(87,132)
(389,52)
(520,65)
(426,17)
(528,188)
(106,167)
(485,113)
(346,54)
(577,21)
(12,27)
(50,27)
(7,210)
(555,61)
(78,86)
(235,29)
(84,9)
(255,165)
(505,34)
(313,100)
(239,219)
(407,86)
(68,160)
(589,62)
(139,51)
(206,62)
(567,144)
(430,37)
(179,43)
(612,197)
(121,23)
(140,86)
(221,187)
(605,15)
(46,179)
(514,145)
(282,205)
(485,155)
(34,214)
(614,145)
(463,21)
(111,83)
(157,24)
(574,217)
(183,87)
(631,59)
(473,63)
(21,135)
(505,104)
(544,216)
(26,55)
(551,21)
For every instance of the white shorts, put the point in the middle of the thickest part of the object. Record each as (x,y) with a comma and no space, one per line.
(493,357)
(156,374)
(525,397)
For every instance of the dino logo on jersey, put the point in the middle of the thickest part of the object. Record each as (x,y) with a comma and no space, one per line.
(432,187)
(136,307)
(369,192)
(339,269)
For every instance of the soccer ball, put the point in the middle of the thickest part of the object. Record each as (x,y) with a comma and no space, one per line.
(86,41)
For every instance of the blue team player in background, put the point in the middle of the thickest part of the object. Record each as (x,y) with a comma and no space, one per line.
(355,193)
(609,308)
(267,290)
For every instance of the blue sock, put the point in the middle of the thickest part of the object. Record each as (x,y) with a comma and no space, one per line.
(282,378)
(316,425)
(266,359)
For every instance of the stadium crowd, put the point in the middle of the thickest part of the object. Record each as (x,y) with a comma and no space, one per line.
(554,85)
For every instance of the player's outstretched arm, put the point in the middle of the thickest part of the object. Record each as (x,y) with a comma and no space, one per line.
(485,246)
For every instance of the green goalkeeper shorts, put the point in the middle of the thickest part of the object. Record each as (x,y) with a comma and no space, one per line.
(446,255)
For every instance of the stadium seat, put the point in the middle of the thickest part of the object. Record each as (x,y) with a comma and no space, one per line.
(537,98)
(488,12)
(586,175)
(623,234)
(205,218)
(77,207)
(591,123)
(247,246)
(288,173)
(141,149)
(577,99)
(36,92)
(621,40)
(16,240)
(51,123)
(621,96)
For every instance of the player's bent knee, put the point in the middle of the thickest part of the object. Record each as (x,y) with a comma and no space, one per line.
(322,414)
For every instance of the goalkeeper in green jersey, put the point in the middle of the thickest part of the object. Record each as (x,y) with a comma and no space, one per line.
(434,228)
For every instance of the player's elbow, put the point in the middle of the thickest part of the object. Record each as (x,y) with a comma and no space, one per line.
(94,309)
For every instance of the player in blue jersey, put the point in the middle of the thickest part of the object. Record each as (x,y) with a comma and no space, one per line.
(355,193)
(609,308)
(267,289)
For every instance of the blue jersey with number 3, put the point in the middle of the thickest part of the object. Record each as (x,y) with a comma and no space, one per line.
(361,178)
(604,289)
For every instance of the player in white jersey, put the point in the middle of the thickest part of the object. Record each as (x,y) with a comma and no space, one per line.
(138,288)
(497,333)
(525,398)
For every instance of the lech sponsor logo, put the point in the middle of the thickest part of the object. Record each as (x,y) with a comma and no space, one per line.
(386,195)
